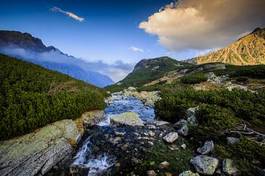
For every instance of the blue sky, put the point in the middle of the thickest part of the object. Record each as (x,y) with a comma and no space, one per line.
(109,32)
(116,32)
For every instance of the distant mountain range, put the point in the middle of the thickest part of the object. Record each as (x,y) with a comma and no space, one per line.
(248,50)
(27,47)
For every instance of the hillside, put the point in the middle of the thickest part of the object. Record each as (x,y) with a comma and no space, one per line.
(248,50)
(148,70)
(32,49)
(31,97)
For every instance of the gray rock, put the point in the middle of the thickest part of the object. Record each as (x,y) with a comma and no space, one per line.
(229,167)
(151,173)
(151,133)
(171,137)
(191,118)
(183,146)
(205,164)
(188,173)
(164,165)
(182,127)
(37,152)
(206,148)
(127,118)
(161,123)
(232,140)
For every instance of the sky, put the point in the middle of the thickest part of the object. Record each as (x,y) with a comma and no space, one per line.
(126,31)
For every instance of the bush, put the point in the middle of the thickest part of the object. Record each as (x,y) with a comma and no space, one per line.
(31,97)
(194,78)
(216,119)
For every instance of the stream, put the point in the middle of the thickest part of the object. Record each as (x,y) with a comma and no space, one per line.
(101,148)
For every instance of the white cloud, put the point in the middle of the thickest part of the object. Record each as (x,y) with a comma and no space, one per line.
(69,14)
(135,49)
(204,24)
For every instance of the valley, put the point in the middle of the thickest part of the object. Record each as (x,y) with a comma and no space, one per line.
(149,88)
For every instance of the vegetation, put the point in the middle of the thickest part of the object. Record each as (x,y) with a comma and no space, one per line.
(148,70)
(178,159)
(255,71)
(194,78)
(219,111)
(31,97)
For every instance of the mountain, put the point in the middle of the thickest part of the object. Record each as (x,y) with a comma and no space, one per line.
(248,50)
(32,96)
(148,70)
(29,48)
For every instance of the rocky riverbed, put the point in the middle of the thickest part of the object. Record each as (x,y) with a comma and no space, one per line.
(125,139)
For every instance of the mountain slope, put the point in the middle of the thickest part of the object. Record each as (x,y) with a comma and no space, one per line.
(148,70)
(31,97)
(29,48)
(248,50)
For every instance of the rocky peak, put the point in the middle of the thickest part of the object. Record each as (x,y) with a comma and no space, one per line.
(248,50)
(18,39)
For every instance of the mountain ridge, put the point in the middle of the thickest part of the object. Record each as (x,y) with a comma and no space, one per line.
(247,50)
(29,48)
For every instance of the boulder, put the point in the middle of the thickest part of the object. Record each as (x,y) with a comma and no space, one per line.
(182,127)
(190,114)
(229,167)
(188,173)
(127,118)
(206,148)
(171,137)
(37,152)
(205,164)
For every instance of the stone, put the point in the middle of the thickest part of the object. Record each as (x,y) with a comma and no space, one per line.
(117,133)
(127,118)
(188,173)
(191,118)
(38,152)
(171,137)
(182,127)
(150,143)
(183,146)
(205,164)
(173,147)
(164,165)
(151,127)
(151,133)
(161,123)
(90,119)
(206,148)
(151,173)
(232,140)
(229,167)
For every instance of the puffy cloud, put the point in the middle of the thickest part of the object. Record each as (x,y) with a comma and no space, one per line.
(70,14)
(204,24)
(135,49)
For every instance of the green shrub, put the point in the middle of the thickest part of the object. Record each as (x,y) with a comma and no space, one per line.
(194,78)
(31,97)
(216,119)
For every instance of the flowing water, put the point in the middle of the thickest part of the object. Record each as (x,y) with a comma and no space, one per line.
(97,163)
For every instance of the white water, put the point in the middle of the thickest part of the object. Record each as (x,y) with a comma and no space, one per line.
(117,104)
